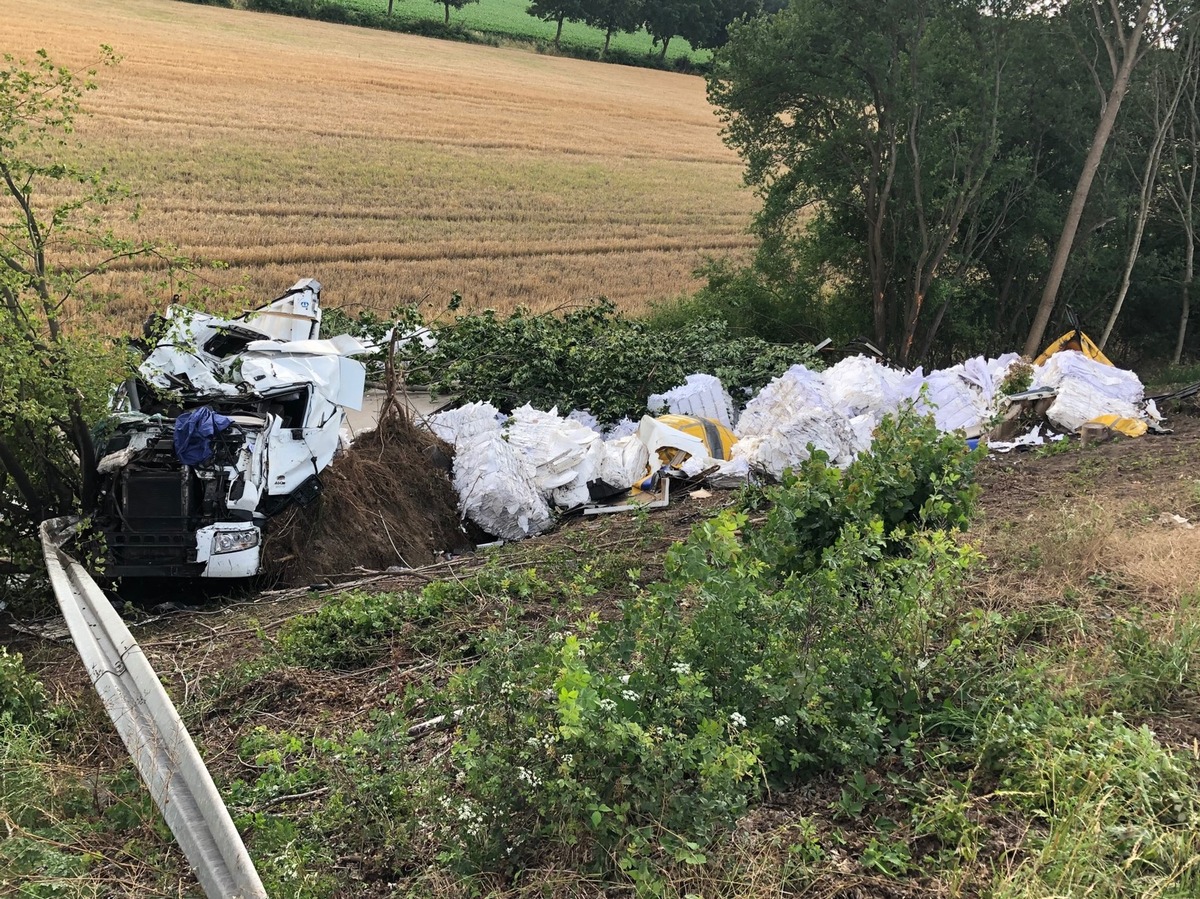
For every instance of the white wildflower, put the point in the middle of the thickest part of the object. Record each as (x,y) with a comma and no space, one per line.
(607,705)
(630,695)
(681,668)
(782,720)
(737,719)
(526,776)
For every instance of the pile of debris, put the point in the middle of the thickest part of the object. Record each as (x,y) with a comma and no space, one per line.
(513,472)
(231,424)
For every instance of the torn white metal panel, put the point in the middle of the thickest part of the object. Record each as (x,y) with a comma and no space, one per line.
(656,435)
(294,316)
(179,353)
(156,738)
(340,380)
(338,345)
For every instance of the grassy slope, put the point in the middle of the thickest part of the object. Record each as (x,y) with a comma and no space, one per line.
(1084,607)
(508,17)
(394,168)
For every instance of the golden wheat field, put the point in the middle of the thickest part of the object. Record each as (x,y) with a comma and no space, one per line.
(394,168)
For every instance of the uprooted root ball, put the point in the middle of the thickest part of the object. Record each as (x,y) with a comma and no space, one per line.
(387,501)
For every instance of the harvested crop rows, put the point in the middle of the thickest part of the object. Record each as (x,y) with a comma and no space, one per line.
(394,168)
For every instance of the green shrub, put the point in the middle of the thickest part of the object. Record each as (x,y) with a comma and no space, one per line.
(769,652)
(1156,660)
(22,697)
(353,629)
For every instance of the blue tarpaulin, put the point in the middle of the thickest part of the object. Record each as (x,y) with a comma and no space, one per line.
(194,431)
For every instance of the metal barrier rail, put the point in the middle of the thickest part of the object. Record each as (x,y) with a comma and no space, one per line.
(155,736)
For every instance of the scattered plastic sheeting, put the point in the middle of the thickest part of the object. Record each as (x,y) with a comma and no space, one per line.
(585,418)
(965,396)
(496,484)
(956,403)
(787,444)
(1087,388)
(626,427)
(791,412)
(1033,438)
(700,396)
(796,389)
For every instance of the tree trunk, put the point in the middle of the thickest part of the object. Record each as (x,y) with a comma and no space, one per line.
(29,493)
(607,38)
(558,33)
(1185,297)
(666,42)
(1108,117)
(390,2)
(1185,309)
(447,5)
(1162,128)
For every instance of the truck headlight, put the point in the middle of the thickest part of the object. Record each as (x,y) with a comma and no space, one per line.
(234,541)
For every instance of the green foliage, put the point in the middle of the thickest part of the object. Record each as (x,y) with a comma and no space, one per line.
(1018,379)
(591,358)
(55,237)
(365,803)
(22,697)
(1156,658)
(352,629)
(916,159)
(769,652)
(453,4)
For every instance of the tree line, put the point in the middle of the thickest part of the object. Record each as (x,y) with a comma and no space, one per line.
(702,23)
(951,176)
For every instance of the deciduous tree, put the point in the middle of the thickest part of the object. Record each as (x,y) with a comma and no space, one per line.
(557,11)
(884,120)
(1120,34)
(612,16)
(453,4)
(55,371)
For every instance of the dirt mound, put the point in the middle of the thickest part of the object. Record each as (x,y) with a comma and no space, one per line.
(387,501)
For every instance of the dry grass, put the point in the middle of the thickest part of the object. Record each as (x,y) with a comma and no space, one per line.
(394,168)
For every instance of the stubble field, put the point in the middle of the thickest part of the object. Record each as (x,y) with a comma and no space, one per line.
(394,168)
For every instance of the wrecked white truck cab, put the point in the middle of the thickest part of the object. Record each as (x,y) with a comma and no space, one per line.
(227,423)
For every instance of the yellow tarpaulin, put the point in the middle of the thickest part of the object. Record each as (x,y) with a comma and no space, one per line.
(717,438)
(1130,427)
(1073,340)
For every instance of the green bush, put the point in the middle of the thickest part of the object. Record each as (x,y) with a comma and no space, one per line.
(769,652)
(353,629)
(22,697)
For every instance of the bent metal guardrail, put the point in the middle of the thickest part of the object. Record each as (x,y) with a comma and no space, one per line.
(155,736)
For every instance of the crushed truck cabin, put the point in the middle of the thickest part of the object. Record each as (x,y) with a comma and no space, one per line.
(227,423)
